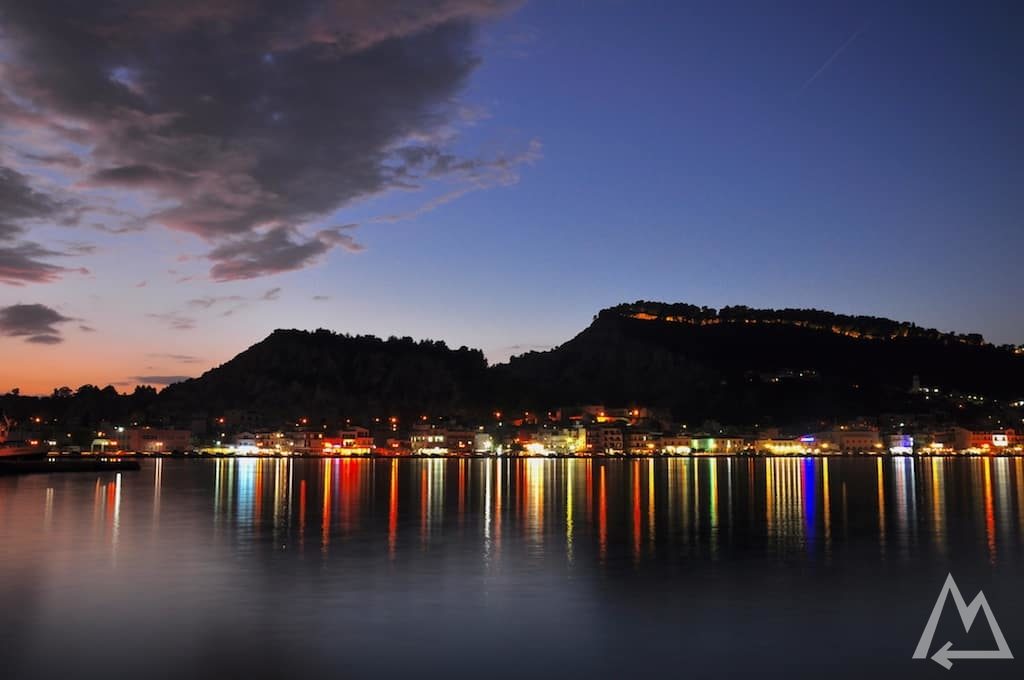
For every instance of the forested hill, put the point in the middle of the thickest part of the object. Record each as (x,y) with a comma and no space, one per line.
(867,327)
(740,363)
(736,364)
(323,374)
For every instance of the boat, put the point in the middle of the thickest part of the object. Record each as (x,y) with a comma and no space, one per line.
(17,448)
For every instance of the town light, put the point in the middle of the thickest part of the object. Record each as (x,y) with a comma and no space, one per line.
(535,449)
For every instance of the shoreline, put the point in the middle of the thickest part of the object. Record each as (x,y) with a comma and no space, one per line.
(308,456)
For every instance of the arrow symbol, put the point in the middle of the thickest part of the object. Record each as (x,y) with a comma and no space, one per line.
(941,657)
(968,612)
(944,657)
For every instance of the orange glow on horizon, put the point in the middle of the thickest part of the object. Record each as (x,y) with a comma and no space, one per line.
(105,358)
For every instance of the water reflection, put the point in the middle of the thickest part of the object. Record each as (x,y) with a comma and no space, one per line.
(788,503)
(436,550)
(602,509)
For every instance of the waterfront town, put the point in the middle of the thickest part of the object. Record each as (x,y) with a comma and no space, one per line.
(580,431)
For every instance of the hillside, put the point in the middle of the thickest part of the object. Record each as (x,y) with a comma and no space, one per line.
(742,364)
(736,365)
(324,375)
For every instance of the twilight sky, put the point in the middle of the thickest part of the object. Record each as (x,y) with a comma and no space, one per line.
(180,177)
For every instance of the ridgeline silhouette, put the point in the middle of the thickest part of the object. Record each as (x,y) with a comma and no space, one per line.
(738,365)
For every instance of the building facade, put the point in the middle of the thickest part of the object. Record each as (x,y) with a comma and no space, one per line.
(354,441)
(154,440)
(983,440)
(849,440)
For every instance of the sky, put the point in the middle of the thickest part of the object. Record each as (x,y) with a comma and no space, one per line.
(179,178)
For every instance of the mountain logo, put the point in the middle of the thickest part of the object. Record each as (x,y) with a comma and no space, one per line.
(945,655)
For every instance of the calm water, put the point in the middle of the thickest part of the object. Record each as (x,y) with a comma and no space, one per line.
(516,568)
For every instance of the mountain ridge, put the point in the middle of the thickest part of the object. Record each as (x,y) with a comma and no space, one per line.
(736,364)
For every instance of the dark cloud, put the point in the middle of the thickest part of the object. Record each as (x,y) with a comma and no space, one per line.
(180,358)
(212,300)
(279,250)
(35,323)
(60,160)
(235,302)
(78,248)
(247,120)
(174,321)
(321,298)
(159,379)
(19,201)
(9,231)
(45,339)
(23,261)
(139,176)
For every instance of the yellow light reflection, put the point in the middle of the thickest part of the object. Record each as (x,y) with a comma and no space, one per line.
(393,510)
(650,504)
(938,509)
(881,505)
(325,515)
(158,476)
(48,508)
(635,474)
(569,527)
(990,521)
(713,503)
